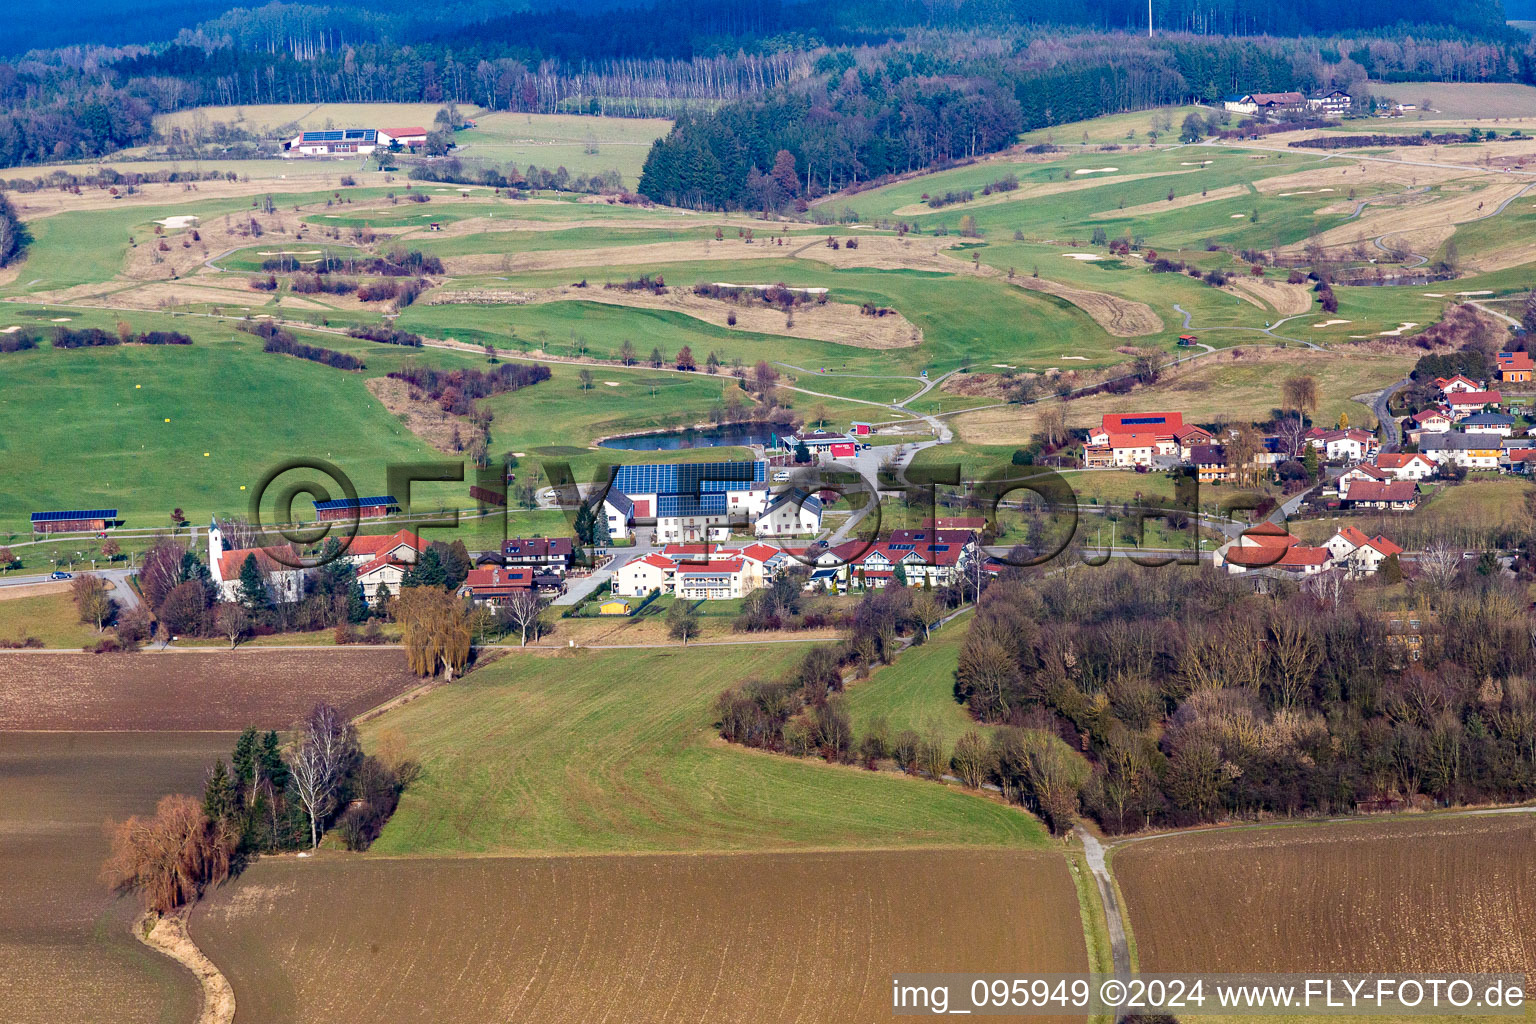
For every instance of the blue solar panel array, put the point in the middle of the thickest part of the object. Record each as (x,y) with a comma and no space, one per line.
(1128,421)
(381,499)
(88,513)
(343,135)
(689,477)
(690,504)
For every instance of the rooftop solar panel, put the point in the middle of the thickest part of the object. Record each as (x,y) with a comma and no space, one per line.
(379,499)
(88,513)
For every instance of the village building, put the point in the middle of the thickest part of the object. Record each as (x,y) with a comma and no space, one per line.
(1433,420)
(1210,462)
(822,442)
(1397,495)
(1515,367)
(89,520)
(1190,437)
(1268,546)
(789,513)
(1352,445)
(285,583)
(1334,103)
(1401,466)
(1275,103)
(1472,451)
(1466,403)
(1361,472)
(497,584)
(414,137)
(383,560)
(1456,385)
(1358,554)
(545,554)
(1489,423)
(687,501)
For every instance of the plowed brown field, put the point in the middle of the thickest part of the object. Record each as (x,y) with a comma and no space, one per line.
(66,954)
(808,937)
(213,690)
(1415,896)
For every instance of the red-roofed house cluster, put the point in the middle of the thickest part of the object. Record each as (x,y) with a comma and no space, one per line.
(1269,547)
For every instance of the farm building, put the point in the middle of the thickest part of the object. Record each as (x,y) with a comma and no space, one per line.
(1267,103)
(1335,103)
(341,509)
(700,571)
(340,142)
(1398,495)
(413,137)
(92,520)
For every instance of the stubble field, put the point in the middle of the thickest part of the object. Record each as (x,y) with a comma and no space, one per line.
(66,954)
(1406,895)
(803,937)
(206,690)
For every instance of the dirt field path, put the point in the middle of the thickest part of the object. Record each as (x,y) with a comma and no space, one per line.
(1120,949)
(168,935)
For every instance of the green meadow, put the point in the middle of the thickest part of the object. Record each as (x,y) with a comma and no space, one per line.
(615,751)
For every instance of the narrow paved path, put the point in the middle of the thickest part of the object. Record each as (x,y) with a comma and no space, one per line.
(1119,948)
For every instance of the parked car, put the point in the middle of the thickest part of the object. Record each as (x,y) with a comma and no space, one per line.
(781,476)
(61,576)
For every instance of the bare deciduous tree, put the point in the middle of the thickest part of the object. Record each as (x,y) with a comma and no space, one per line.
(233,621)
(1439,565)
(522,611)
(326,745)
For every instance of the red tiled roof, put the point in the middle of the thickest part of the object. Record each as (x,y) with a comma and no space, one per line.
(396,133)
(1354,536)
(1370,490)
(1386,547)
(1115,423)
(1298,556)
(231,561)
(1466,398)
(1399,460)
(377,544)
(1516,361)
(715,565)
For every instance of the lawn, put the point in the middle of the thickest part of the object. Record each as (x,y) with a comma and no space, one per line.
(128,427)
(49,617)
(917,692)
(614,751)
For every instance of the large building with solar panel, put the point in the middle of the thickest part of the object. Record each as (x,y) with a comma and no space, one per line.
(80,520)
(688,501)
(336,142)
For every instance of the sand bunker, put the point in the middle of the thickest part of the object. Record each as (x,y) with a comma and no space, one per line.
(1086,257)
(1304,192)
(12,329)
(1332,323)
(1236,216)
(1485,292)
(1434,295)
(62,319)
(1193,163)
(612,383)
(1408,325)
(185,220)
(1095,170)
(290,252)
(1083,358)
